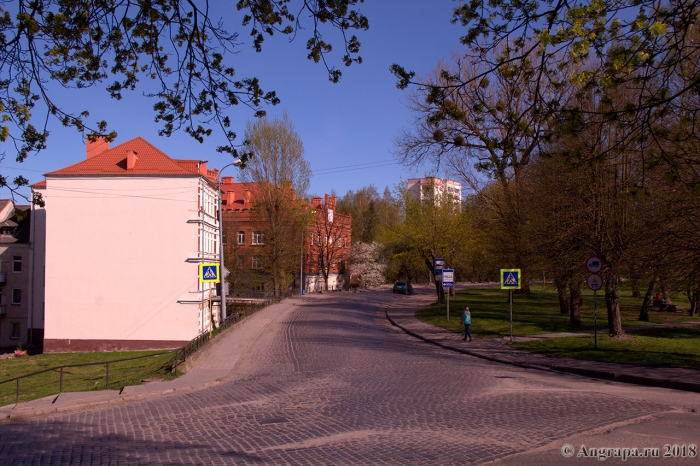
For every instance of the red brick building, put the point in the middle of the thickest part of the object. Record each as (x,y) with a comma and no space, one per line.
(327,247)
(326,242)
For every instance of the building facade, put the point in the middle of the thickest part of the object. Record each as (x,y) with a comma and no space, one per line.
(126,230)
(21,317)
(327,247)
(324,244)
(432,188)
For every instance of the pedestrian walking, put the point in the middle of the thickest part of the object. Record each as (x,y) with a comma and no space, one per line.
(466,321)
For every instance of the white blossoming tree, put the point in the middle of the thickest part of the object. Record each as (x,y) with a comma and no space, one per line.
(366,265)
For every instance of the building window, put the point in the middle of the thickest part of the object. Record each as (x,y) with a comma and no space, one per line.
(340,264)
(241,237)
(258,237)
(240,261)
(16,264)
(257,262)
(16,296)
(14,330)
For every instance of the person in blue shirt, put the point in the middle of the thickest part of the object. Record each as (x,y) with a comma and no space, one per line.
(466,321)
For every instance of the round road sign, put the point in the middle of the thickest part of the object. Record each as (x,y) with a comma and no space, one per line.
(594,282)
(594,265)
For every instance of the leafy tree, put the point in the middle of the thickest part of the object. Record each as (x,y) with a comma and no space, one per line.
(434,227)
(47,45)
(281,176)
(484,126)
(369,211)
(648,46)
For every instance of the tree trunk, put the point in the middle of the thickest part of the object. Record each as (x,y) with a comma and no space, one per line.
(612,303)
(575,303)
(648,301)
(635,288)
(694,298)
(563,302)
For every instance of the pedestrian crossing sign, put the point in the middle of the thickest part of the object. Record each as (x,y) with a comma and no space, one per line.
(209,273)
(510,279)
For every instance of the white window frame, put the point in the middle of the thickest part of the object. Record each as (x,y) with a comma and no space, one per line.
(241,237)
(13,296)
(257,263)
(258,238)
(16,262)
(13,326)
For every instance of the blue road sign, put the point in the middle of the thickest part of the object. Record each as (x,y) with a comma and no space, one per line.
(209,273)
(448,278)
(510,279)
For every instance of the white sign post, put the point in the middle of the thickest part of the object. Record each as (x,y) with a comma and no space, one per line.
(448,281)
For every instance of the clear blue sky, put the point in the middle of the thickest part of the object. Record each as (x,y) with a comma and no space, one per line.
(348,124)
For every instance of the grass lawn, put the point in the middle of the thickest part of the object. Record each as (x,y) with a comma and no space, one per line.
(672,347)
(83,378)
(537,312)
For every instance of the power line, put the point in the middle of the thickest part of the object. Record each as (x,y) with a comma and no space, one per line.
(360,166)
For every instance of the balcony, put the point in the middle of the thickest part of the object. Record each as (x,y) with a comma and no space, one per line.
(3,278)
(202,257)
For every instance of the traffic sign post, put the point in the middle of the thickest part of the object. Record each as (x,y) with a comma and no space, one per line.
(594,282)
(438,266)
(510,280)
(448,282)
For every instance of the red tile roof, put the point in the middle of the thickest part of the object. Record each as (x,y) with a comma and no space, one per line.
(39,185)
(151,161)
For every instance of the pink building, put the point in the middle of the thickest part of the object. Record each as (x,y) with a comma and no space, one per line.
(126,230)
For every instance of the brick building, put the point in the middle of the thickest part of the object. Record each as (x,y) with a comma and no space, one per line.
(327,247)
(326,242)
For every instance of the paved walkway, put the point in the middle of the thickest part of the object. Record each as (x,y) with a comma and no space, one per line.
(212,365)
(220,359)
(497,350)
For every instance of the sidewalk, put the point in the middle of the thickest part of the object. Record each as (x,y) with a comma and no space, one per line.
(496,350)
(215,363)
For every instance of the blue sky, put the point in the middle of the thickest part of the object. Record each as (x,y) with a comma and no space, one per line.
(348,129)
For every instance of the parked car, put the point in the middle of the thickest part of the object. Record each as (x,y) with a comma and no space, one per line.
(403,287)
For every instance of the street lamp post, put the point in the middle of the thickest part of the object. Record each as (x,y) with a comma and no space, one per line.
(222,282)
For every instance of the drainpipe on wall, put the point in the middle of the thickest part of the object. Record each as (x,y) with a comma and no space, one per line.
(30,301)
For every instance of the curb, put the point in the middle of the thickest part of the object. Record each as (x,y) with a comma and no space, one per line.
(598,374)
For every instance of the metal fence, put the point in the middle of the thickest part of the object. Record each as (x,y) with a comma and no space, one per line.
(117,372)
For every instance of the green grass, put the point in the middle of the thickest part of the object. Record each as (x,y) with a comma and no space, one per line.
(536,313)
(671,347)
(85,378)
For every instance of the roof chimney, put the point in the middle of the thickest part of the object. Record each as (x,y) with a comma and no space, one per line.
(94,148)
(246,195)
(227,180)
(317,202)
(229,198)
(131,159)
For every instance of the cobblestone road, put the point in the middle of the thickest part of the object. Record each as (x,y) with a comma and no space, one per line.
(333,383)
